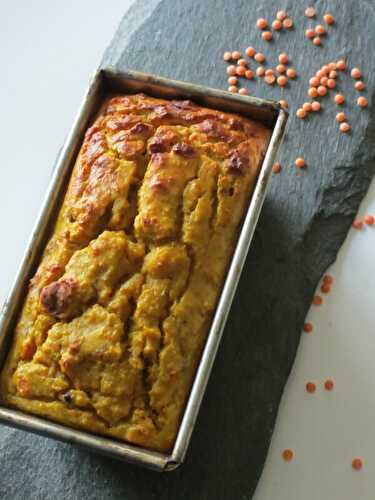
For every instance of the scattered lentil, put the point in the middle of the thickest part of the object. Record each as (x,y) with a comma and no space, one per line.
(249,74)
(340,117)
(312,92)
(299,162)
(362,102)
(339,99)
(243,91)
(240,71)
(341,65)
(357,223)
(288,23)
(227,56)
(300,113)
(320,30)
(315,105)
(314,81)
(329,385)
(280,68)
(359,85)
(309,33)
(322,91)
(233,89)
(276,168)
(356,73)
(317,41)
(267,36)
(310,387)
(283,58)
(232,80)
(328,18)
(325,288)
(242,62)
(261,71)
(259,57)
(270,79)
(291,73)
(369,220)
(284,104)
(317,300)
(231,70)
(333,74)
(357,463)
(262,23)
(344,127)
(250,51)
(288,455)
(277,25)
(281,15)
(331,83)
(307,106)
(310,12)
(282,80)
(236,55)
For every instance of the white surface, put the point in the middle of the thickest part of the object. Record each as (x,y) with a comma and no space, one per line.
(56,46)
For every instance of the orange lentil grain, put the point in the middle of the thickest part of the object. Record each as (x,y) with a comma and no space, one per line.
(328,18)
(309,33)
(357,223)
(325,288)
(267,36)
(283,58)
(331,83)
(250,51)
(310,387)
(300,113)
(339,99)
(288,23)
(359,85)
(299,162)
(270,79)
(236,55)
(340,117)
(242,62)
(291,73)
(249,74)
(231,70)
(232,80)
(329,385)
(314,81)
(240,71)
(310,12)
(333,74)
(317,41)
(362,102)
(356,73)
(324,80)
(282,80)
(319,74)
(261,71)
(269,72)
(281,15)
(262,23)
(341,65)
(277,25)
(315,106)
(344,127)
(233,89)
(227,56)
(312,92)
(276,168)
(307,106)
(243,91)
(284,104)
(369,219)
(328,278)
(322,91)
(259,57)
(317,300)
(325,69)
(332,66)
(281,68)
(357,463)
(320,30)
(288,455)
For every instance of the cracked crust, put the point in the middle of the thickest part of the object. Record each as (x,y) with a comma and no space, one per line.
(117,314)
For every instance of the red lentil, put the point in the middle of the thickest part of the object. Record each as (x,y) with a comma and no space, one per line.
(269,72)
(312,92)
(276,168)
(356,73)
(236,55)
(288,23)
(267,36)
(320,30)
(309,33)
(310,12)
(314,81)
(243,91)
(357,223)
(299,162)
(317,300)
(344,127)
(369,220)
(280,68)
(310,387)
(249,74)
(333,74)
(242,62)
(233,89)
(317,41)
(291,73)
(315,105)
(240,71)
(282,80)
(307,106)
(288,455)
(231,70)
(362,102)
(339,99)
(284,104)
(340,117)
(262,23)
(250,51)
(341,65)
(332,66)
(359,85)
(324,80)
(322,91)
(329,385)
(283,58)
(277,25)
(328,278)
(331,83)
(261,71)
(227,56)
(270,79)
(232,80)
(357,463)
(300,113)
(328,18)
(259,57)
(325,288)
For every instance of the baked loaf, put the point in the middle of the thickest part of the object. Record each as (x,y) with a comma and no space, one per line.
(116,316)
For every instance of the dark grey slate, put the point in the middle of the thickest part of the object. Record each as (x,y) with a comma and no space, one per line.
(305,220)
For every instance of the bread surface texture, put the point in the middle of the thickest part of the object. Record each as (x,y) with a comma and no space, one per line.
(113,325)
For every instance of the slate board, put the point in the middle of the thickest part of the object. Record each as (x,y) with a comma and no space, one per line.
(304,222)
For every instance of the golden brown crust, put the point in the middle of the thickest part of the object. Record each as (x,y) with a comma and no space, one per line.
(117,314)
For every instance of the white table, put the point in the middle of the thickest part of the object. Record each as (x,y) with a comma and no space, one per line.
(55,47)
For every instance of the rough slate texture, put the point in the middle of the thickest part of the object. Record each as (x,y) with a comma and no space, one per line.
(305,220)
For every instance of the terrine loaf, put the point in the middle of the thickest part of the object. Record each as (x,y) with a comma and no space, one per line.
(116,316)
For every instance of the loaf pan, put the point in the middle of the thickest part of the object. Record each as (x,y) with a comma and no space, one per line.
(106,82)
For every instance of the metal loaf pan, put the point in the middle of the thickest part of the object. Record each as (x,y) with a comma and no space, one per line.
(103,83)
